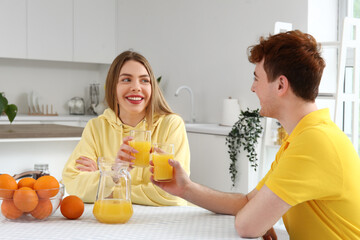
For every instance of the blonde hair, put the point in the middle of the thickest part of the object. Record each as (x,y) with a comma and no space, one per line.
(157,105)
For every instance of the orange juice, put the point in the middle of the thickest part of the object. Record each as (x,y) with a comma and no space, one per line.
(162,169)
(113,210)
(143,156)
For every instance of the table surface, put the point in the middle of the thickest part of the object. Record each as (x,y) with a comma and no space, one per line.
(146,223)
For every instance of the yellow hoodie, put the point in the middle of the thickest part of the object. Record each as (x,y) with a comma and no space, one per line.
(103,136)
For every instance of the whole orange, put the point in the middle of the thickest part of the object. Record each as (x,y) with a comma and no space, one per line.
(26,182)
(46,186)
(43,209)
(9,210)
(25,199)
(72,207)
(7,186)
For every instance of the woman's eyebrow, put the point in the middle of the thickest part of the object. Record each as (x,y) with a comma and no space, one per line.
(129,75)
(125,74)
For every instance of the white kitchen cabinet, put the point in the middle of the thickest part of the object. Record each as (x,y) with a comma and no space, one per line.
(94,31)
(13,29)
(210,163)
(50,30)
(59,30)
(18,157)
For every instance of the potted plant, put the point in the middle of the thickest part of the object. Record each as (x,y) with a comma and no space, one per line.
(244,134)
(9,109)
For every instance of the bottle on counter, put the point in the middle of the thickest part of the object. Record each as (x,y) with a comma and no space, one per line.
(41,169)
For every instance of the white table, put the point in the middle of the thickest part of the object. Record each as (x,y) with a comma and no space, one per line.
(146,223)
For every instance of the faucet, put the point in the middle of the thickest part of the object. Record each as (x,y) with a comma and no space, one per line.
(191,100)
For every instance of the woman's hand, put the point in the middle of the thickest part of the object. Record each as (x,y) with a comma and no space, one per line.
(86,164)
(179,182)
(125,151)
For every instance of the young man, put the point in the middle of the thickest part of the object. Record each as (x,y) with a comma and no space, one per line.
(314,181)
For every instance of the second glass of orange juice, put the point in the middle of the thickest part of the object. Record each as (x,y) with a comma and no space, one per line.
(142,143)
(163,172)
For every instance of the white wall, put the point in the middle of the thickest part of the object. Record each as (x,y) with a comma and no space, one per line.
(203,44)
(54,82)
(200,43)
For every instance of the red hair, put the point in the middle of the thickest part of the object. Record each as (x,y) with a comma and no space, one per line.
(295,55)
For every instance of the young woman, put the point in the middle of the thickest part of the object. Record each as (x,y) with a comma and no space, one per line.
(134,102)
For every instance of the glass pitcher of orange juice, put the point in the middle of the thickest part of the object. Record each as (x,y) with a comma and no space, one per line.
(113,199)
(142,143)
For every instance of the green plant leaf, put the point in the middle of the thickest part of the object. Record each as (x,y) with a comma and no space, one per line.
(11,112)
(3,103)
(244,133)
(9,109)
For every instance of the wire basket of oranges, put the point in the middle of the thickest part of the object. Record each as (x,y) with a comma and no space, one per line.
(29,199)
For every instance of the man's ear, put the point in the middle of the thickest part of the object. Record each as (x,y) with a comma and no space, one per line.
(283,85)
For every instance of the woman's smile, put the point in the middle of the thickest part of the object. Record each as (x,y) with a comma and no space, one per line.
(135,99)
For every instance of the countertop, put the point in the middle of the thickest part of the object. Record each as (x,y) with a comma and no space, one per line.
(208,128)
(38,132)
(25,117)
(147,222)
(201,128)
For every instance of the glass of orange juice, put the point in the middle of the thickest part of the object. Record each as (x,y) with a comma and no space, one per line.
(161,154)
(113,198)
(142,143)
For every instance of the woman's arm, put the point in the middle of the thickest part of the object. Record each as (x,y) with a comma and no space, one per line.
(80,175)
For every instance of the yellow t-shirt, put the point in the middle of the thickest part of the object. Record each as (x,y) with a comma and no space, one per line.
(317,172)
(103,136)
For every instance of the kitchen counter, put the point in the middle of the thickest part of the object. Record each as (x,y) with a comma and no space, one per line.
(81,120)
(208,128)
(25,117)
(147,222)
(39,132)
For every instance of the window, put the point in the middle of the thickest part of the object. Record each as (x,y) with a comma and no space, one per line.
(350,8)
(357,8)
(356,13)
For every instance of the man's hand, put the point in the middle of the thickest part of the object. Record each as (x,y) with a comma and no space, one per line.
(179,182)
(270,235)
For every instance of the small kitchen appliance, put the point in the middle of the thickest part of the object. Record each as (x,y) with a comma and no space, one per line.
(76,106)
(94,98)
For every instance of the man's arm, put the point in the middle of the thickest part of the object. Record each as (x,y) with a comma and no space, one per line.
(215,201)
(260,214)
(255,212)
(212,200)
